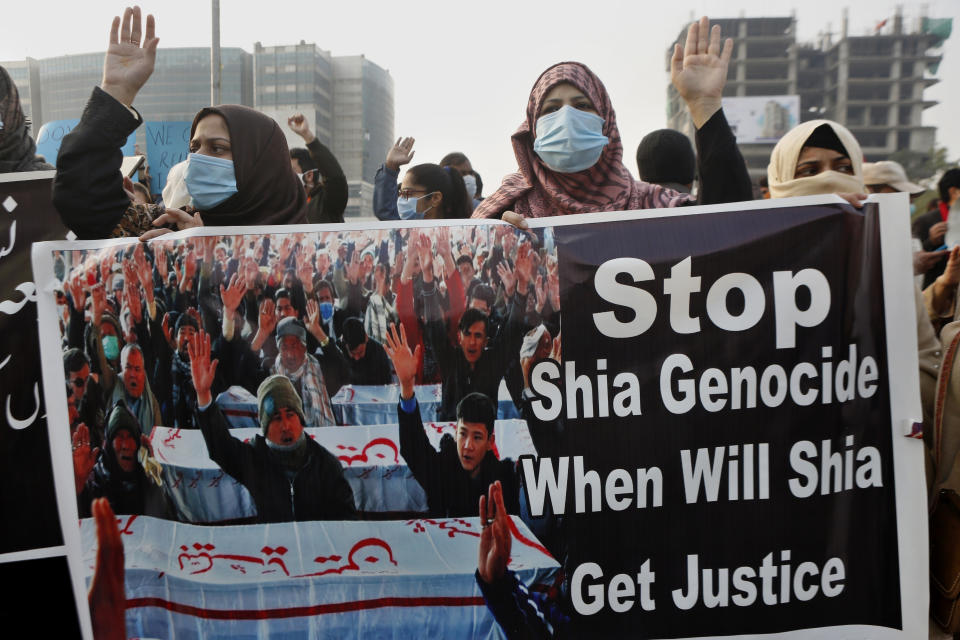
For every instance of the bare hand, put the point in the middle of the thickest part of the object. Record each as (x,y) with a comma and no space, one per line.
(84,458)
(299,125)
(404,360)
(202,369)
(507,277)
(314,325)
(400,153)
(496,540)
(233,293)
(127,66)
(268,316)
(515,219)
(937,232)
(923,261)
(855,199)
(106,598)
(699,71)
(181,219)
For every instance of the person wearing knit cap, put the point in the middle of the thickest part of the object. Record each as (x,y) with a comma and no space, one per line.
(665,157)
(115,471)
(304,371)
(289,475)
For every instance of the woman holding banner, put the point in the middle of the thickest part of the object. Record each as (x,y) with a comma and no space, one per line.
(570,154)
(237,173)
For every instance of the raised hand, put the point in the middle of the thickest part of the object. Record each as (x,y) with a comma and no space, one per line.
(404,360)
(425,252)
(496,540)
(400,153)
(202,369)
(133,301)
(167,330)
(541,291)
(128,65)
(233,293)
(84,458)
(523,267)
(554,291)
(699,70)
(268,316)
(314,326)
(507,277)
(98,304)
(106,598)
(353,268)
(299,125)
(160,262)
(75,286)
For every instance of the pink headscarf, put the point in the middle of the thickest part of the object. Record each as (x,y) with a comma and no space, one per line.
(537,191)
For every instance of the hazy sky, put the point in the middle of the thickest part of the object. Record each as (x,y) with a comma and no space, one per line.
(463,70)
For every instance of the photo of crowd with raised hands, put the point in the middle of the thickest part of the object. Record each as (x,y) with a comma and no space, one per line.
(244,347)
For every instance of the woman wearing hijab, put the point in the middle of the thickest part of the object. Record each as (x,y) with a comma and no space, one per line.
(238,171)
(17,149)
(817,157)
(570,155)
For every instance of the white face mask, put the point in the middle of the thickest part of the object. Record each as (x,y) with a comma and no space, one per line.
(470,182)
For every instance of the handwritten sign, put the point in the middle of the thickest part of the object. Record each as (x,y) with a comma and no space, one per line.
(168,143)
(51,136)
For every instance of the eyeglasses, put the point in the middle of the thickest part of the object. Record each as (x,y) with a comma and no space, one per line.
(406,193)
(78,382)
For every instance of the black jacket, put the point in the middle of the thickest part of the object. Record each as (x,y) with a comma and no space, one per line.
(130,493)
(451,491)
(327,202)
(318,491)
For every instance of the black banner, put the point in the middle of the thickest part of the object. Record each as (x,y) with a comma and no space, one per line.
(735,364)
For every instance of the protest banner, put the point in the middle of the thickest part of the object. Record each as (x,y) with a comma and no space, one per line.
(168,143)
(51,134)
(720,426)
(31,544)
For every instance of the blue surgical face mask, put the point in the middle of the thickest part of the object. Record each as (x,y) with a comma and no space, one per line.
(111,347)
(326,311)
(470,182)
(407,208)
(569,140)
(209,180)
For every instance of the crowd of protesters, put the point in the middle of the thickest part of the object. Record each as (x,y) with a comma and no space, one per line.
(155,331)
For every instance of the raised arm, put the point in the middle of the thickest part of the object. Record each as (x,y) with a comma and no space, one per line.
(699,73)
(88,188)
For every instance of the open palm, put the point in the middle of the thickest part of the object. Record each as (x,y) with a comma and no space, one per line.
(128,65)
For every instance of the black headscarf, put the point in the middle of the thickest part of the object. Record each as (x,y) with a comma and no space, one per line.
(268,192)
(17,149)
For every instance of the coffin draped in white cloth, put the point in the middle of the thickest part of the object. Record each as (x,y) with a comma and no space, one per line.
(372,464)
(412,578)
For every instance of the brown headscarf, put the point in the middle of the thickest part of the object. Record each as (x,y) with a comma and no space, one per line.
(537,191)
(17,149)
(268,192)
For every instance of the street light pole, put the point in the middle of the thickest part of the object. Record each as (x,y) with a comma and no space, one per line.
(215,55)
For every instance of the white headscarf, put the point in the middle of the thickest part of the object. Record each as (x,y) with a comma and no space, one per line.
(783,164)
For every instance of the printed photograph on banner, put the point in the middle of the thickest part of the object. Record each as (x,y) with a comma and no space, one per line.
(362,431)
(363,386)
